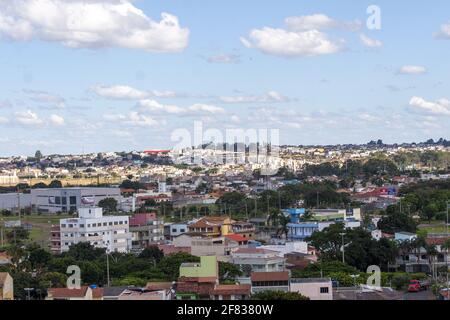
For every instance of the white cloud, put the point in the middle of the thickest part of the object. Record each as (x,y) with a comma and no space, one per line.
(129,93)
(223,58)
(440,107)
(155,106)
(271,96)
(28,118)
(303,36)
(281,42)
(369,42)
(91,24)
(319,22)
(413,70)
(45,97)
(133,118)
(199,108)
(444,32)
(3,120)
(57,120)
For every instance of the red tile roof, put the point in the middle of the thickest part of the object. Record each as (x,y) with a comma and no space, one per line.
(156,286)
(270,276)
(232,289)
(236,237)
(67,293)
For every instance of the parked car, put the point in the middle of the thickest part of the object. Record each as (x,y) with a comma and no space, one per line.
(417,285)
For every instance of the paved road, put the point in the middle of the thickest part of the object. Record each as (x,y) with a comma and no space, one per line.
(422,295)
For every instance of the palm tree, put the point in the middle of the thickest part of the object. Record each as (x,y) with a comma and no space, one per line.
(432,252)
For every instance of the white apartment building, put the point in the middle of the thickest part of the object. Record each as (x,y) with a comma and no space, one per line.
(110,232)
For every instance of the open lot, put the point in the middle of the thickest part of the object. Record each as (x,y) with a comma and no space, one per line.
(41,225)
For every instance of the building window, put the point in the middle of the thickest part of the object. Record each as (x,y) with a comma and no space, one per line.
(73,200)
(324,290)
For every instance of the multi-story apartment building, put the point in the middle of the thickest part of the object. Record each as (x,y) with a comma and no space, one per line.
(146,230)
(110,232)
(70,199)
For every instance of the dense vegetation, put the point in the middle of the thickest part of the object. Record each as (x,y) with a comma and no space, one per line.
(34,267)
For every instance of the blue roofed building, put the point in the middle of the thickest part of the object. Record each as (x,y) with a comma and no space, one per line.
(299,230)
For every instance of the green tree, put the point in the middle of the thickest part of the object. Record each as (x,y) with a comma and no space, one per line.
(55,184)
(109,205)
(170,265)
(152,253)
(396,222)
(228,271)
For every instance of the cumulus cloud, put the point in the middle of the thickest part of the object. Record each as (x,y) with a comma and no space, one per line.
(28,118)
(302,36)
(91,24)
(320,22)
(199,108)
(281,42)
(57,120)
(412,70)
(155,106)
(369,42)
(133,118)
(440,107)
(123,92)
(271,96)
(195,109)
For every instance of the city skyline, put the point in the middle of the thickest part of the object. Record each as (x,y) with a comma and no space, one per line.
(126,79)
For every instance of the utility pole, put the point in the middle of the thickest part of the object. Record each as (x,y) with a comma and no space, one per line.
(107,267)
(343,247)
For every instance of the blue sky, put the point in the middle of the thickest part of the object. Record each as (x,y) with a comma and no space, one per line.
(111,75)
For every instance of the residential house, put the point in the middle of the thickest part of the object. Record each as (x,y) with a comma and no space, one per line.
(6,286)
(211,226)
(83,293)
(313,288)
(197,280)
(172,230)
(231,292)
(245,229)
(220,247)
(270,281)
(153,291)
(257,260)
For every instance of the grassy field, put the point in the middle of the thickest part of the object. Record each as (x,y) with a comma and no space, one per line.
(41,224)
(434,228)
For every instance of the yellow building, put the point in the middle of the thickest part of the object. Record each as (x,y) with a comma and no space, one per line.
(212,226)
(6,286)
